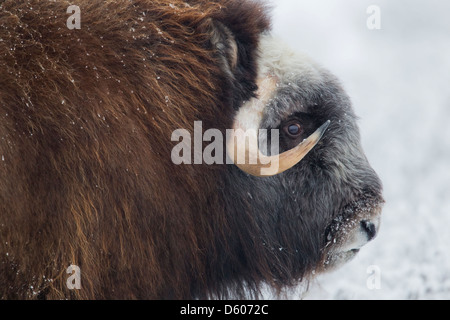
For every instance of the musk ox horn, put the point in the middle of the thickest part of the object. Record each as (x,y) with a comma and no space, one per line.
(267,166)
(243,144)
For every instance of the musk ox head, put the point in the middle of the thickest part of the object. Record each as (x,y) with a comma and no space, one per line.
(316,201)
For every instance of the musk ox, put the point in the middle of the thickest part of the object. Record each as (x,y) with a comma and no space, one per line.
(86,177)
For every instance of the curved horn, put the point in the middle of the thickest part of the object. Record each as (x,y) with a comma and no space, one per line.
(267,166)
(242,146)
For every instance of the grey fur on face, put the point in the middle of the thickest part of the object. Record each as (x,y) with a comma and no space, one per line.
(333,192)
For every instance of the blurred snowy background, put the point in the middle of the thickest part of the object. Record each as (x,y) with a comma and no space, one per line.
(399,80)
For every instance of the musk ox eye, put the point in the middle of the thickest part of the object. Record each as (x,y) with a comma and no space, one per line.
(293,129)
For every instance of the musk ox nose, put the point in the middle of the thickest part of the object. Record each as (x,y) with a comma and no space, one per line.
(350,238)
(369,228)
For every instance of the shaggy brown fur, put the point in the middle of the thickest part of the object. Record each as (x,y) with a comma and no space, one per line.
(86,118)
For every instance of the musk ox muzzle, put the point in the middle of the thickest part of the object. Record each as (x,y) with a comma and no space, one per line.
(358,224)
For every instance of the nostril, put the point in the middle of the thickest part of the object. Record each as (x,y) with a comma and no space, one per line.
(369,228)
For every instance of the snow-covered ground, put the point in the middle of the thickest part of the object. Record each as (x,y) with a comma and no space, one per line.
(399,80)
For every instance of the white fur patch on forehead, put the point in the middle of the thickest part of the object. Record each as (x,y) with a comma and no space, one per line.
(278,66)
(251,113)
(278,59)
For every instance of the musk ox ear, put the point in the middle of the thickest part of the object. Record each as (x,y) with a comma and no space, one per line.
(224,43)
(235,32)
